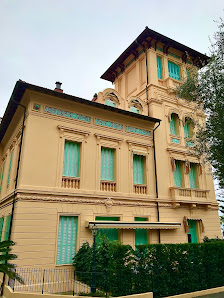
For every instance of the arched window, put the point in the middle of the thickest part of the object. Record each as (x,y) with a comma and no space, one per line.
(134,110)
(174,124)
(110,102)
(135,106)
(188,128)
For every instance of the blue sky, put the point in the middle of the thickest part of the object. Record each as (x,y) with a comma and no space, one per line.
(72,41)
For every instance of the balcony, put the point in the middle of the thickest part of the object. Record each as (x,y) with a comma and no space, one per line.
(182,194)
(70,182)
(189,142)
(108,186)
(175,139)
(140,189)
(172,84)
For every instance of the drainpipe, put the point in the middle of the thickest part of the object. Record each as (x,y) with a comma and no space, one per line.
(147,73)
(156,180)
(18,166)
(16,183)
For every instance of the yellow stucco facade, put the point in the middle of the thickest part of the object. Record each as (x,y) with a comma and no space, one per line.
(44,194)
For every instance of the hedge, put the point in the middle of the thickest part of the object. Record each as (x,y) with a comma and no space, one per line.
(164,269)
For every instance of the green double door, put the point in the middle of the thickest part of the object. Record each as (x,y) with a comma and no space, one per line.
(140,234)
(192,235)
(111,234)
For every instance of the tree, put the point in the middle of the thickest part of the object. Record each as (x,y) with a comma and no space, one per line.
(6,256)
(206,88)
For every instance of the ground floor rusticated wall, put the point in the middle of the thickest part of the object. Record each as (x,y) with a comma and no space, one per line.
(36,218)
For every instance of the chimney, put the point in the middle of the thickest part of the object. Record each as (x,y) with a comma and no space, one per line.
(58,87)
(94,97)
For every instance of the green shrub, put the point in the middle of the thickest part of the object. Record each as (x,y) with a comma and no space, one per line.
(164,269)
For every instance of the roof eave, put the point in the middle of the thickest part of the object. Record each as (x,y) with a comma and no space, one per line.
(21,87)
(142,37)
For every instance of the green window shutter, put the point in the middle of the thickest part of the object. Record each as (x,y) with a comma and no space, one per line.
(71,159)
(107,164)
(174,71)
(109,102)
(138,169)
(111,234)
(177,175)
(10,166)
(7,227)
(173,128)
(159,68)
(140,234)
(192,176)
(67,235)
(1,227)
(186,130)
(134,110)
(192,235)
(1,177)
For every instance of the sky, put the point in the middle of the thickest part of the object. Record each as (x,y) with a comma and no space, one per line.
(74,42)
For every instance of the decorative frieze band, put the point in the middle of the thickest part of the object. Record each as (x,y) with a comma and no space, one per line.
(138,131)
(108,124)
(66,114)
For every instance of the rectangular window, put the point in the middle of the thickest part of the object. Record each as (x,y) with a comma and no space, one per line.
(174,70)
(1,176)
(7,227)
(71,159)
(1,226)
(107,164)
(138,169)
(67,235)
(159,68)
(111,234)
(177,174)
(192,176)
(192,235)
(10,166)
(140,234)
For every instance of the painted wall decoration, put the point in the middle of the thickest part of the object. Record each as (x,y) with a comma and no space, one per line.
(108,124)
(138,131)
(66,114)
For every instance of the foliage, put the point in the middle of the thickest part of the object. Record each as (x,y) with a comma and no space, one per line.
(164,269)
(113,260)
(6,256)
(206,239)
(206,88)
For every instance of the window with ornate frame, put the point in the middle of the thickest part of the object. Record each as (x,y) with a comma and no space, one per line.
(71,157)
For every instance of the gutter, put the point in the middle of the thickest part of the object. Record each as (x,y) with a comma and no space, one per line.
(21,87)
